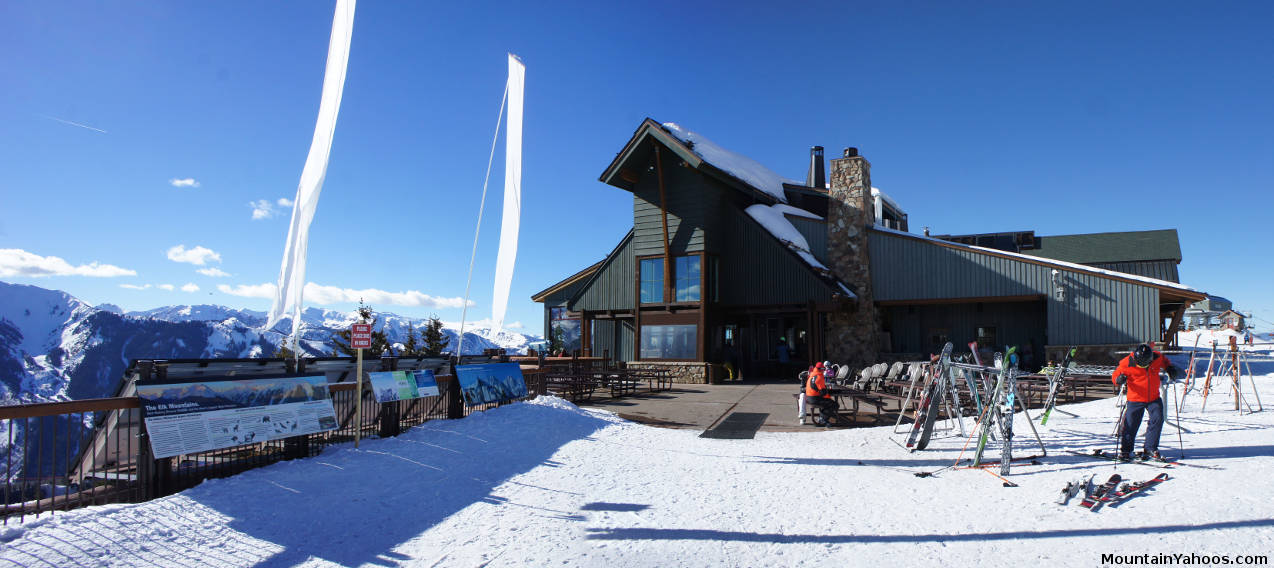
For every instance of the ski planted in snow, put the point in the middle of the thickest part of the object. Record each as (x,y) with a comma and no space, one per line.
(1094,500)
(1008,371)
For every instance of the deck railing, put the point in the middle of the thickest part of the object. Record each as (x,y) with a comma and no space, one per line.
(66,455)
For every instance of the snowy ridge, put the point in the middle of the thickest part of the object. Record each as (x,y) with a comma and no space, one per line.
(54,347)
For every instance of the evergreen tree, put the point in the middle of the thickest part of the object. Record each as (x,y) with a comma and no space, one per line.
(557,340)
(284,350)
(411,347)
(380,342)
(435,341)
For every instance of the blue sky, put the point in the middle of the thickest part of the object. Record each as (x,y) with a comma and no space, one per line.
(1057,118)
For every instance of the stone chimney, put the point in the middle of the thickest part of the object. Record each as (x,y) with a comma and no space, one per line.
(853,330)
(815,177)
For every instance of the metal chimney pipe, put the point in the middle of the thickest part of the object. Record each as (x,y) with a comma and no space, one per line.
(816,176)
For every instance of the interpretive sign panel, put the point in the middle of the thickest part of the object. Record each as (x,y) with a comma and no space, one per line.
(493,382)
(403,385)
(214,413)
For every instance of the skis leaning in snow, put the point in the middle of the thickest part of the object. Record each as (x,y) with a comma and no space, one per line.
(931,404)
(1055,384)
(1094,500)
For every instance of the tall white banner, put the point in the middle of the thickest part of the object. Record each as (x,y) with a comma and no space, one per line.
(512,195)
(288,296)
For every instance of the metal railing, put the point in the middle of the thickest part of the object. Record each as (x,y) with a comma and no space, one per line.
(66,455)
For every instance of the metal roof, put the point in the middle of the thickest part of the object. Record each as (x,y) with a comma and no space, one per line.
(1129,246)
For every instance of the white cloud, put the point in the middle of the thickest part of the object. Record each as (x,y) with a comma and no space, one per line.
(190,287)
(248,290)
(213,272)
(135,286)
(484,323)
(264,209)
(168,287)
(197,255)
(17,262)
(327,295)
(261,209)
(184,182)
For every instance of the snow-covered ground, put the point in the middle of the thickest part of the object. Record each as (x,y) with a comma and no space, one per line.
(546,483)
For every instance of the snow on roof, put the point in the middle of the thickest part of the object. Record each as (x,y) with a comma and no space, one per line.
(789,210)
(876,192)
(772,218)
(748,171)
(1047,261)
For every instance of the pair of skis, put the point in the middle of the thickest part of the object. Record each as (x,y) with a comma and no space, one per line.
(999,411)
(930,401)
(1113,494)
(1055,384)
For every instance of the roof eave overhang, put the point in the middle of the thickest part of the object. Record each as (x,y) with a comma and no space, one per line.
(651,132)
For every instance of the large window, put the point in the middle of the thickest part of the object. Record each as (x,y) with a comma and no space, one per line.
(668,341)
(565,332)
(652,280)
(686,271)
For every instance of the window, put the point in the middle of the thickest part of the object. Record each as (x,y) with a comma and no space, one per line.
(564,332)
(669,341)
(686,270)
(652,280)
(986,337)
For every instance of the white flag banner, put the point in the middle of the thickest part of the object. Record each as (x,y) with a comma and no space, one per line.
(288,295)
(512,195)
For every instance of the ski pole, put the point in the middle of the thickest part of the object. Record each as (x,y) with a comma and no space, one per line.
(1176,410)
(1119,428)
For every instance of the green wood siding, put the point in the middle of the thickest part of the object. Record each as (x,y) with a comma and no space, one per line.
(1016,323)
(690,197)
(1095,310)
(613,285)
(614,337)
(815,233)
(755,269)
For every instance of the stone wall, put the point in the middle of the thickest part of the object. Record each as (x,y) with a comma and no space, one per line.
(852,336)
(682,372)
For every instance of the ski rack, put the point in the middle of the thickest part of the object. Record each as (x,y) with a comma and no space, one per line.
(1231,362)
(1009,388)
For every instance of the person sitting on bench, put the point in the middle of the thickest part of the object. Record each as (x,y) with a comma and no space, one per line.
(816,394)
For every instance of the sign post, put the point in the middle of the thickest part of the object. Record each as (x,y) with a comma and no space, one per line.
(360,338)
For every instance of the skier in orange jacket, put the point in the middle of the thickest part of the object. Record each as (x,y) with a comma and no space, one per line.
(1139,372)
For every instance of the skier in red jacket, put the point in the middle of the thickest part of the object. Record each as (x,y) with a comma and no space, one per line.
(1139,371)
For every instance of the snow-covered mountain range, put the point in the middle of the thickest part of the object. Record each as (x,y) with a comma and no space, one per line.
(56,347)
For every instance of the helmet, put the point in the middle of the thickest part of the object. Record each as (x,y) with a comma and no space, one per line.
(827,363)
(1143,355)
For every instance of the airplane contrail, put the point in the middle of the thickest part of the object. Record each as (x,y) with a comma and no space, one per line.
(72,123)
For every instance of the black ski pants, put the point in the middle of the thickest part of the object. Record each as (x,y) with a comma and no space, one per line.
(1132,421)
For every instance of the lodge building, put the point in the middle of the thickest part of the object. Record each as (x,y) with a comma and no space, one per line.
(726,260)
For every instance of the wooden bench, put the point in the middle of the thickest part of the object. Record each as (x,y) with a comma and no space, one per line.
(571,386)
